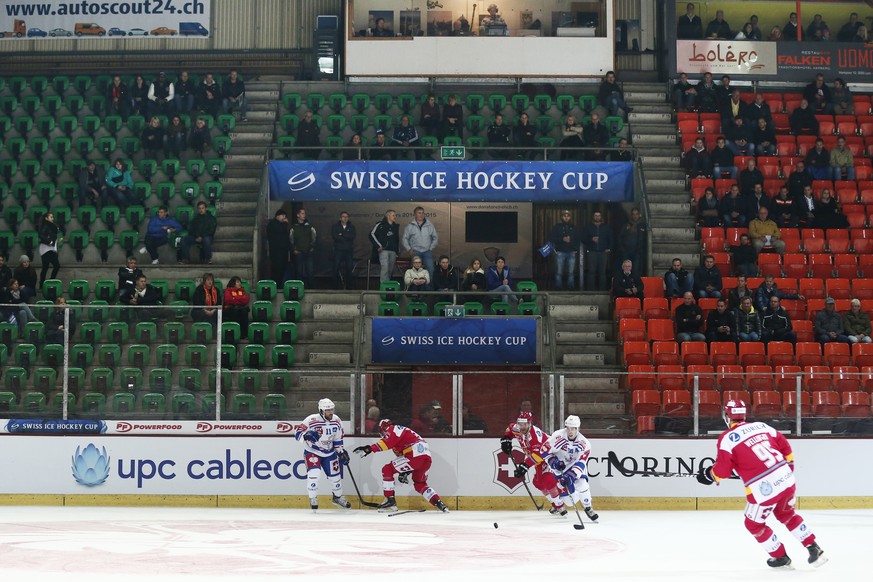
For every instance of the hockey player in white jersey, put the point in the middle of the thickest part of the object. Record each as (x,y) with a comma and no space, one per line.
(566,454)
(322,437)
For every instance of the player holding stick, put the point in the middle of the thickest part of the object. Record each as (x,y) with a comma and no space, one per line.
(566,454)
(322,436)
(531,440)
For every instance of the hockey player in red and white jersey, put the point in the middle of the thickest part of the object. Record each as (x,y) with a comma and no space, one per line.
(763,459)
(412,460)
(566,454)
(322,437)
(531,440)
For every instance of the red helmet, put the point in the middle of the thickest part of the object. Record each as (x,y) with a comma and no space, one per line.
(385,426)
(734,411)
(525,416)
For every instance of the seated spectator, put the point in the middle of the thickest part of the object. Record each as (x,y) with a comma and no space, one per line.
(707,279)
(200,139)
(206,295)
(741,291)
(842,161)
(152,138)
(20,312)
(746,33)
(209,96)
(5,272)
(119,185)
(58,322)
(416,279)
(769,289)
(162,96)
(626,283)
(356,143)
(445,278)
(731,107)
(175,138)
(406,137)
(139,95)
(707,209)
(572,138)
(862,35)
(798,180)
(706,95)
(759,200)
(722,160)
(499,136)
(678,281)
(308,137)
(828,324)
(775,34)
(718,28)
(524,136)
(745,258)
(828,214)
(622,152)
(474,280)
(201,231)
(776,324)
(233,92)
(379,150)
(498,278)
(453,118)
(791,29)
(697,161)
(850,29)
(689,320)
(118,100)
(689,25)
(236,305)
(184,93)
(92,186)
(818,161)
(684,93)
(740,138)
(142,294)
(748,322)
(381,30)
(841,98)
(765,234)
(784,209)
(720,324)
(818,94)
(764,138)
(749,177)
(759,109)
(733,208)
(127,274)
(471,422)
(430,116)
(856,324)
(802,120)
(25,274)
(595,135)
(611,96)
(158,232)
(816,29)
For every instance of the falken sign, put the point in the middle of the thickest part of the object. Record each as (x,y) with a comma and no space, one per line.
(471,181)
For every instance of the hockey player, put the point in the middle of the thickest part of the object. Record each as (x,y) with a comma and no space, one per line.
(531,440)
(566,453)
(763,459)
(322,436)
(413,459)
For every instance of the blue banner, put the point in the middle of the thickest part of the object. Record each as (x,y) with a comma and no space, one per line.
(54,426)
(467,340)
(470,181)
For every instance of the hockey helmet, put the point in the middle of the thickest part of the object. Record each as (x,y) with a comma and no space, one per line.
(573,422)
(385,426)
(324,405)
(734,411)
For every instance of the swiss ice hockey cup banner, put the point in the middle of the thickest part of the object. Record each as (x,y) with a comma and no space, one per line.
(469,340)
(48,20)
(451,181)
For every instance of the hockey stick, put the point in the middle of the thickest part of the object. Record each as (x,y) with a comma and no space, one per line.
(616,462)
(358,491)
(581,524)
(406,511)
(524,482)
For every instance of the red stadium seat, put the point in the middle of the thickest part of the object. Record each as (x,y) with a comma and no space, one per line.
(653,287)
(867,379)
(656,307)
(862,355)
(645,424)
(811,288)
(863,246)
(807,354)
(846,378)
(665,352)
(837,354)
(786,377)
(862,288)
(694,353)
(817,378)
(814,245)
(688,127)
(770,264)
(636,353)
(736,395)
(821,265)
(759,378)
(856,404)
(627,307)
(794,265)
(813,306)
(752,354)
(846,127)
(732,377)
(676,403)
(796,310)
(790,401)
(631,330)
(857,220)
(688,116)
(641,377)
(846,265)
(712,244)
(780,354)
(710,126)
(704,375)
(838,288)
(766,403)
(709,403)
(723,353)
(671,377)
(646,402)
(803,328)
(826,404)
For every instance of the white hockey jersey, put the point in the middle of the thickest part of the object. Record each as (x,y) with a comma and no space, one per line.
(330,434)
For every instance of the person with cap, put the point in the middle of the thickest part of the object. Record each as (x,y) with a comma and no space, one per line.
(233,91)
(565,239)
(278,245)
(491,24)
(828,324)
(856,322)
(379,150)
(162,96)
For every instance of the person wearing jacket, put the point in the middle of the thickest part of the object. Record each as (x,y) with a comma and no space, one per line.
(303,248)
(119,184)
(141,294)
(828,324)
(445,278)
(405,136)
(416,278)
(768,289)
(474,280)
(20,313)
(201,232)
(236,305)
(565,238)
(207,295)
(626,283)
(721,326)
(278,245)
(127,274)
(776,324)
(343,234)
(49,237)
(158,233)
(498,278)
(707,279)
(385,238)
(420,238)
(689,320)
(856,322)
(597,238)
(748,322)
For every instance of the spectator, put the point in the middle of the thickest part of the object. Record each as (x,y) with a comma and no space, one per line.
(750,177)
(406,137)
(142,294)
(765,234)
(152,138)
(25,274)
(759,200)
(759,109)
(206,295)
(818,94)
(775,34)
(718,28)
(201,136)
(850,29)
(722,160)
(308,132)
(55,326)
(303,237)
(802,120)
(158,233)
(5,272)
(776,324)
(842,161)
(493,20)
(162,96)
(707,279)
(828,214)
(626,283)
(499,137)
(445,278)
(49,238)
(356,143)
(632,238)
(236,305)
(611,96)
(209,96)
(721,324)
(816,29)
(748,322)
(798,180)
(381,30)
(371,424)
(184,93)
(380,149)
(731,107)
(119,185)
(769,289)
(20,312)
(233,92)
(622,153)
(472,423)
(524,136)
(139,95)
(343,233)
(175,138)
(856,324)
(818,161)
(740,292)
(678,281)
(723,94)
(764,138)
(92,186)
(118,100)
(453,118)
(572,138)
(733,208)
(707,209)
(499,279)
(706,94)
(745,258)
(385,238)
(595,135)
(841,98)
(421,238)
(127,275)
(278,245)
(565,238)
(784,209)
(746,33)
(861,36)
(689,320)
(474,280)
(416,279)
(201,231)
(597,238)
(697,161)
(430,116)
(791,30)
(828,324)
(740,138)
(684,93)
(689,25)
(756,30)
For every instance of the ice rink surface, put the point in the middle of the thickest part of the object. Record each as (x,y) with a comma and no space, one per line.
(131,544)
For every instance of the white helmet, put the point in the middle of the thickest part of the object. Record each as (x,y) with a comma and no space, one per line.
(325,404)
(572,422)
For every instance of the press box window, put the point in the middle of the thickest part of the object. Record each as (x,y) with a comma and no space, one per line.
(491,227)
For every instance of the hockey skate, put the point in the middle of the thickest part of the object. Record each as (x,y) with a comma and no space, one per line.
(590,513)
(562,510)
(313,504)
(816,555)
(441,506)
(783,562)
(389,506)
(341,502)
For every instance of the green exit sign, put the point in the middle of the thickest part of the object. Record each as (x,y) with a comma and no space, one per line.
(452,152)
(455,311)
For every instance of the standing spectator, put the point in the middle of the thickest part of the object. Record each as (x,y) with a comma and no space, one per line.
(597,238)
(828,324)
(453,118)
(841,98)
(152,138)
(611,96)
(406,136)
(565,239)
(303,248)
(343,233)
(856,323)
(718,28)
(707,279)
(764,138)
(158,233)
(633,238)
(118,100)
(430,116)
(784,209)
(201,231)
(684,93)
(733,208)
(207,295)
(139,95)
(499,137)
(162,96)
(678,281)
(765,234)
(474,280)
(25,274)
(420,238)
(769,289)
(127,274)
(818,161)
(706,94)
(308,132)
(92,186)
(49,237)
(748,322)
(595,135)
(233,92)
(850,29)
(209,96)
(689,25)
(802,120)
(721,324)
(749,177)
(697,161)
(722,160)
(707,209)
(791,30)
(776,324)
(385,238)
(445,278)
(119,184)
(626,283)
(740,292)
(842,161)
(236,305)
(524,136)
(278,245)
(175,138)
(723,94)
(818,94)
(745,258)
(498,279)
(689,320)
(572,138)
(416,279)
(184,93)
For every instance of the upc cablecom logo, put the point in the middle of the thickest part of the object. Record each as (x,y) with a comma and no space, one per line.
(90,465)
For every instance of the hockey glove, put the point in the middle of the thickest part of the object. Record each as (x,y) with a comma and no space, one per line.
(506,445)
(568,482)
(557,464)
(404,477)
(520,471)
(363,451)
(311,437)
(343,457)
(704,476)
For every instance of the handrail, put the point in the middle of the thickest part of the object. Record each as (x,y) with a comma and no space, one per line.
(395,151)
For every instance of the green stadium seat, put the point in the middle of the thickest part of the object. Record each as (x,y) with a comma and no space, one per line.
(138,355)
(190,379)
(128,240)
(173,332)
(265,290)
(500,308)
(106,145)
(315,101)
(293,290)
(196,355)
(148,168)
(190,191)
(8,402)
(259,332)
(453,141)
(102,379)
(275,406)
(153,403)
(226,123)
(97,104)
(52,355)
(225,379)
(542,102)
(171,167)
(166,191)
(527,289)
(228,355)
(360,102)
(52,289)
(183,404)
(285,144)
(34,332)
(45,124)
(254,355)
(82,355)
(117,332)
(109,355)
(184,214)
(527,308)
(103,240)
(122,403)
(31,104)
(17,84)
(160,380)
(30,168)
(113,124)
(497,103)
(262,311)
(90,332)
(337,101)
(78,289)
(289,122)
(440,307)
(389,309)
(243,404)
(93,404)
(383,102)
(475,123)
(201,332)
(136,123)
(474,308)
(279,380)
(45,379)
(417,308)
(230,332)
(614,124)
(130,146)
(208,405)
(63,214)
(15,378)
(520,102)
(105,290)
(336,123)
(68,124)
(291,101)
(8,105)
(286,333)
(56,406)
(406,102)
(167,355)
(565,104)
(587,103)
(74,103)
(383,122)
(389,290)
(283,356)
(82,83)
(87,216)
(24,355)
(545,123)
(162,286)
(249,380)
(33,402)
(13,215)
(213,191)
(76,378)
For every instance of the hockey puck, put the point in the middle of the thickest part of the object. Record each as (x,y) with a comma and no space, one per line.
(495,525)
